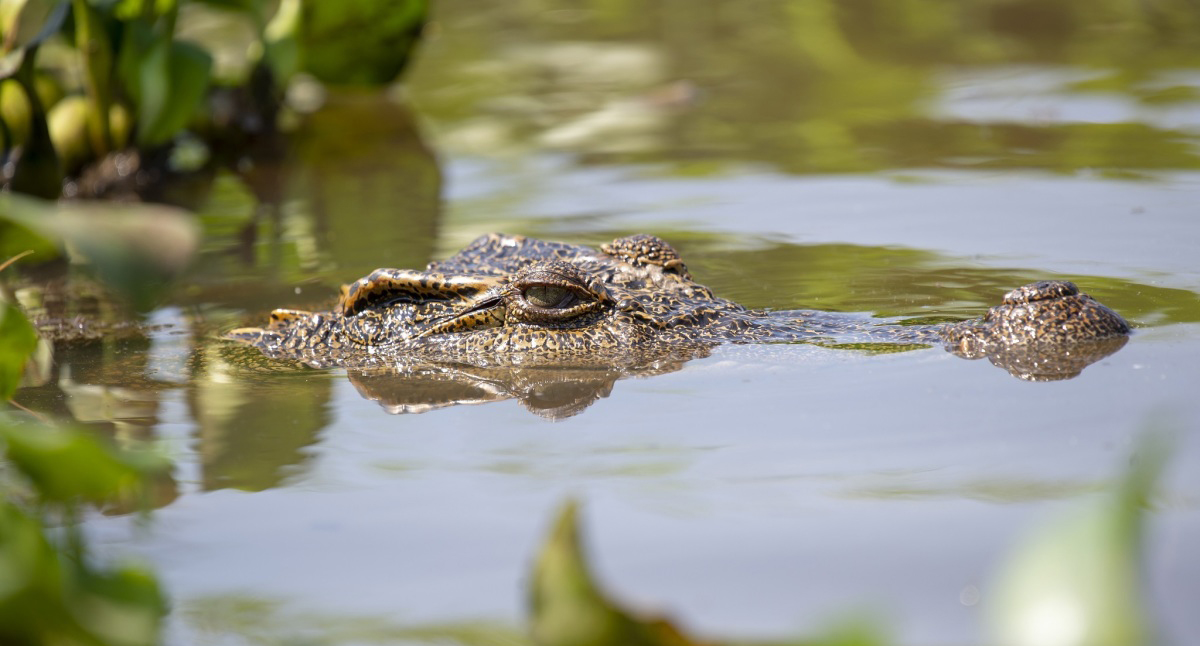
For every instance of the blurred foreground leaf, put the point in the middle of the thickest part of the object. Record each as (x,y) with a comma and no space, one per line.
(1077,581)
(53,596)
(568,608)
(135,249)
(67,467)
(17,341)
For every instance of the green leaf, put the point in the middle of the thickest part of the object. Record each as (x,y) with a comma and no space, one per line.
(17,342)
(361,42)
(66,466)
(31,580)
(1078,581)
(51,595)
(121,606)
(136,41)
(136,249)
(282,47)
(27,23)
(20,543)
(172,78)
(568,608)
(96,57)
(131,10)
(16,239)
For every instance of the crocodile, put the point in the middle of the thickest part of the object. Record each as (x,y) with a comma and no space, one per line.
(519,302)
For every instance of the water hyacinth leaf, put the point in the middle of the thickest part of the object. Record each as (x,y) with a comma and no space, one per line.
(134,9)
(96,56)
(568,608)
(135,249)
(172,80)
(280,41)
(17,342)
(153,86)
(137,38)
(27,23)
(359,42)
(1078,581)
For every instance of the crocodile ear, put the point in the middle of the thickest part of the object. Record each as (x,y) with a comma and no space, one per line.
(384,286)
(642,249)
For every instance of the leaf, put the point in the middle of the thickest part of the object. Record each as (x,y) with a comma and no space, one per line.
(121,606)
(24,25)
(20,541)
(282,47)
(363,42)
(27,23)
(50,595)
(16,239)
(569,609)
(136,249)
(172,78)
(95,52)
(31,579)
(67,466)
(17,342)
(1077,581)
(136,41)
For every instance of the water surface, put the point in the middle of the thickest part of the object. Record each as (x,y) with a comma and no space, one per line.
(763,490)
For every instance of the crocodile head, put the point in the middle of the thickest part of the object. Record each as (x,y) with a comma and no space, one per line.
(511,300)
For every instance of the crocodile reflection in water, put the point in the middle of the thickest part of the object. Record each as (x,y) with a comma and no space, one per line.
(629,308)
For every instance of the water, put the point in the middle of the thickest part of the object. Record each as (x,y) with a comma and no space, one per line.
(763,491)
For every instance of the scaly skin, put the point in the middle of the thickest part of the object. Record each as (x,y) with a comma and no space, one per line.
(511,300)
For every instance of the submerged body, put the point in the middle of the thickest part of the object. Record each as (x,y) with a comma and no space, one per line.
(511,300)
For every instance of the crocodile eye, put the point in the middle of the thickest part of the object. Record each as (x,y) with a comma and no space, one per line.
(554,294)
(549,296)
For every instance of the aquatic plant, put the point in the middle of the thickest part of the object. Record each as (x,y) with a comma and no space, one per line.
(52,589)
(82,79)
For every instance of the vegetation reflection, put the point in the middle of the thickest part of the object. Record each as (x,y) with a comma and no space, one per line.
(823,86)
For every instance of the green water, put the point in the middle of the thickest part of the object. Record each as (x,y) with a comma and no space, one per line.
(896,159)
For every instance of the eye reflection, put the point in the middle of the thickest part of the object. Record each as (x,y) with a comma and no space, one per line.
(548,296)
